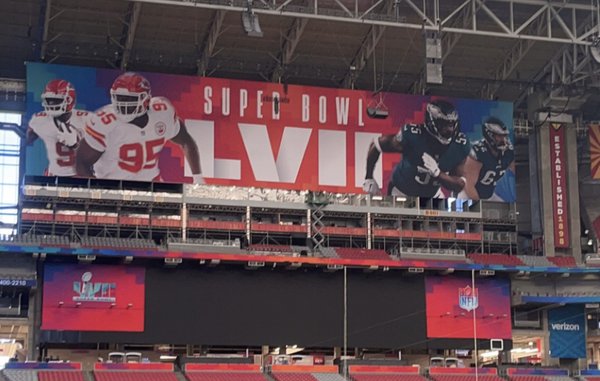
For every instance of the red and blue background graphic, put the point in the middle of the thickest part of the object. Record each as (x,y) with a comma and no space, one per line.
(301,149)
(116,305)
(446,319)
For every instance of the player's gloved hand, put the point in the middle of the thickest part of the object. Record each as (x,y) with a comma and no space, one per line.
(197,179)
(67,135)
(430,165)
(371,187)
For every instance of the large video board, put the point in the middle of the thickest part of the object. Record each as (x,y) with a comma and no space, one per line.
(159,127)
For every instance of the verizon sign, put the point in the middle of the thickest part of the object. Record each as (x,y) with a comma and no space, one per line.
(558,170)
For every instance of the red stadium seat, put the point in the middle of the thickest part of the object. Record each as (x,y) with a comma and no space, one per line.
(60,375)
(563,261)
(496,259)
(466,377)
(110,375)
(386,377)
(224,376)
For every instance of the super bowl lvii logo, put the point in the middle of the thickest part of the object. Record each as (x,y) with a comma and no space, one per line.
(468,298)
(88,291)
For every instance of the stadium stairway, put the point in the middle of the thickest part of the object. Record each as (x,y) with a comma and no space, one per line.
(20,375)
(328,377)
(88,376)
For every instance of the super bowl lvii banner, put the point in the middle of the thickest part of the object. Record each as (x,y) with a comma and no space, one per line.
(109,124)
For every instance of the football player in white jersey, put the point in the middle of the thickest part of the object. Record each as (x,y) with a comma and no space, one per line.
(124,139)
(60,127)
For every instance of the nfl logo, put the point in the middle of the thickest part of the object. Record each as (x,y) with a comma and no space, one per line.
(468,298)
(160,128)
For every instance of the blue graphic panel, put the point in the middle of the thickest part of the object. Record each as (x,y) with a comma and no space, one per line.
(567,331)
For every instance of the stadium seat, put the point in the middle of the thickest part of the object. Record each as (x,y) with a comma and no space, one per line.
(466,377)
(563,261)
(386,377)
(224,376)
(495,259)
(528,378)
(60,375)
(110,375)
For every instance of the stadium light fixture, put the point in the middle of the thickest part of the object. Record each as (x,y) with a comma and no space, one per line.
(433,58)
(250,21)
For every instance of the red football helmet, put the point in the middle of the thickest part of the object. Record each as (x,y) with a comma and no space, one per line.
(58,97)
(130,96)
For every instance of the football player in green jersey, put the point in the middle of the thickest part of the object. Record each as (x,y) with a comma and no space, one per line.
(433,155)
(488,161)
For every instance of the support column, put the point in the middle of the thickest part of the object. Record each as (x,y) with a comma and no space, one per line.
(184,219)
(546,359)
(34,319)
(369,231)
(248,225)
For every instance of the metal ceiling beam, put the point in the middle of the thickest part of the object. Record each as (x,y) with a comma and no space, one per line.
(570,63)
(45,11)
(131,23)
(515,55)
(209,43)
(480,26)
(292,38)
(364,53)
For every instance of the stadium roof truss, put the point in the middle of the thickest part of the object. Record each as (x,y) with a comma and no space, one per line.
(491,49)
(557,20)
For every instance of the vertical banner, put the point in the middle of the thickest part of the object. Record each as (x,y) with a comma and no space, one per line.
(594,139)
(567,331)
(558,170)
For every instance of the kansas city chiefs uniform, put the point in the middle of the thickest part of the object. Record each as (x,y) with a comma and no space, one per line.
(131,152)
(61,159)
